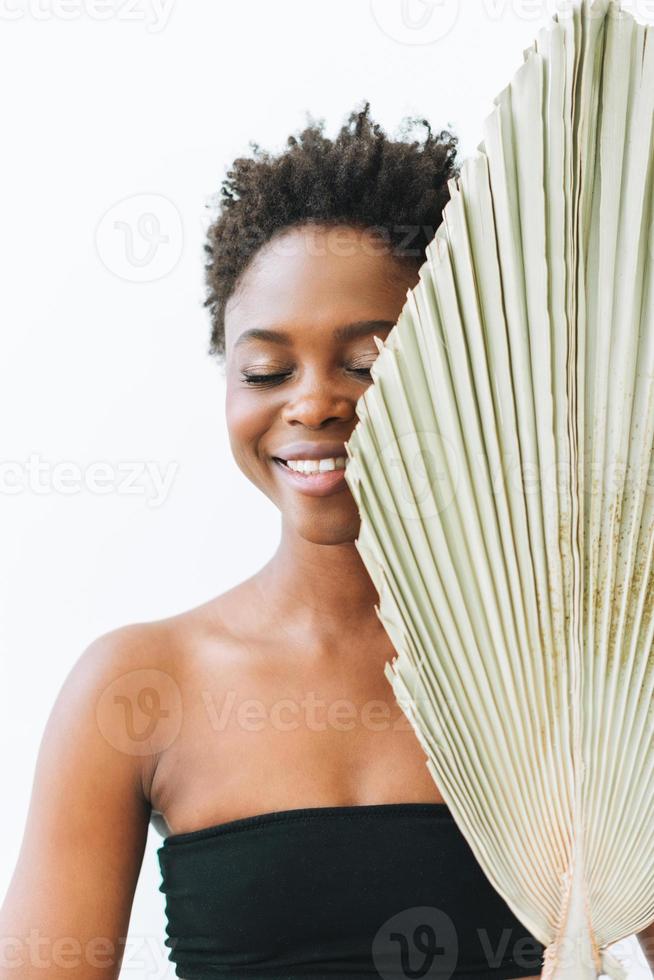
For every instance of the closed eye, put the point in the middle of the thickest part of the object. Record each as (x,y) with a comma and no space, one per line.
(271,379)
(263,379)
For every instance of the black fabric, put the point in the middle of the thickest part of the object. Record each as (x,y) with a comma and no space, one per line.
(384,890)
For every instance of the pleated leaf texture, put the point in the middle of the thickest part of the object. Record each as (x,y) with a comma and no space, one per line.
(502,467)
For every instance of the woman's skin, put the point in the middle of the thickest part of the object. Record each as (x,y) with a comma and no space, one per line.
(271,696)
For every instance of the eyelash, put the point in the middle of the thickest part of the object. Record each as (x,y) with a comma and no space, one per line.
(271,379)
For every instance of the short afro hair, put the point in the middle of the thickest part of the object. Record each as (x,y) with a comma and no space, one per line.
(361,178)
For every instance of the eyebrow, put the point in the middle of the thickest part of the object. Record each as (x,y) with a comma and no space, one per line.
(349,331)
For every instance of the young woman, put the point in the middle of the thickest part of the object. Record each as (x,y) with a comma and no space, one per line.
(304,836)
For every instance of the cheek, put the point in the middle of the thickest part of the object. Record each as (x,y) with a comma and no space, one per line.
(247,423)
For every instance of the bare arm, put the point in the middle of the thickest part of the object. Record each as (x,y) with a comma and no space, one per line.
(67,909)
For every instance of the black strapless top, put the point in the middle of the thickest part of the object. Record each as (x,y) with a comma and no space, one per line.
(387,890)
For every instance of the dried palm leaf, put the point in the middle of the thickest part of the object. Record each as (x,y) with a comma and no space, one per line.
(501,466)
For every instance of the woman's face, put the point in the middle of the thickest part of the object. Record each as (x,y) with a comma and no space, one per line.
(299,345)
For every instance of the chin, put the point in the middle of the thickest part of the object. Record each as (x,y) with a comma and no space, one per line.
(329,530)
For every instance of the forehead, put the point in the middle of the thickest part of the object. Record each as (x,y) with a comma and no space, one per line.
(318,274)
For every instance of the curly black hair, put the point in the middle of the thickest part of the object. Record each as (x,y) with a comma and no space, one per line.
(361,178)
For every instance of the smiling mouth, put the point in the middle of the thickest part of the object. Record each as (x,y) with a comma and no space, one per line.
(315,483)
(313,467)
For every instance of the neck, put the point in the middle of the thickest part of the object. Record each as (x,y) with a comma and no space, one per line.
(321,589)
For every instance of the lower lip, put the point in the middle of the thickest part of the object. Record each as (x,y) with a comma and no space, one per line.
(314,484)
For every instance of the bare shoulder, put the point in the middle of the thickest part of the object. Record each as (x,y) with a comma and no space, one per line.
(122,660)
(116,688)
(136,674)
(143,677)
(87,820)
(121,649)
(156,651)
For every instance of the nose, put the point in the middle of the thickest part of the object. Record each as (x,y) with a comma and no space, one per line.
(316,401)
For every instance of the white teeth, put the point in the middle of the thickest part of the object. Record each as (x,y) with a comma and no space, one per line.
(317,465)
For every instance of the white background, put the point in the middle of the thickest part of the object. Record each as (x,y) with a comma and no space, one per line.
(103,332)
